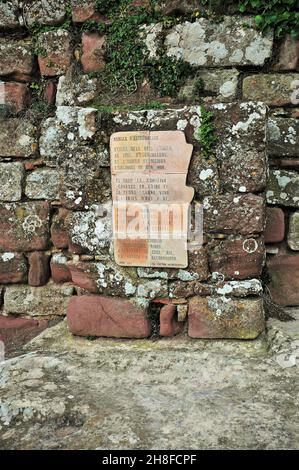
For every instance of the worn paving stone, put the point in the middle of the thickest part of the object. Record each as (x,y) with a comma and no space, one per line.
(24,226)
(11,179)
(283,137)
(24,143)
(283,188)
(61,393)
(50,299)
(273,89)
(229,43)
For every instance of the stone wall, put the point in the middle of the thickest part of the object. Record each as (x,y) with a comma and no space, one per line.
(57,116)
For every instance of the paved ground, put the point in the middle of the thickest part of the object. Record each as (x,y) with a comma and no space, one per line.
(70,393)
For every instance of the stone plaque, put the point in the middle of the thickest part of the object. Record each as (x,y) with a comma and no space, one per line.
(150,198)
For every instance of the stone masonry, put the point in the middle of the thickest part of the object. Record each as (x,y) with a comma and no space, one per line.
(56,247)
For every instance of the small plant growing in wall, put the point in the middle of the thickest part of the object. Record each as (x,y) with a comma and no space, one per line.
(206,133)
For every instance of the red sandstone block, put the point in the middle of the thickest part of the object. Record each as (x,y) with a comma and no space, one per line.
(223,317)
(59,234)
(49,93)
(237,259)
(13,329)
(288,54)
(93,46)
(284,274)
(16,96)
(60,273)
(275,225)
(106,316)
(169,326)
(39,271)
(84,12)
(57,52)
(13,268)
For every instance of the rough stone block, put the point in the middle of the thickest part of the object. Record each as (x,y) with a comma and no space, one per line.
(76,92)
(39,270)
(9,15)
(220,84)
(16,96)
(93,47)
(169,325)
(226,43)
(56,52)
(24,226)
(273,89)
(11,179)
(43,184)
(16,58)
(288,56)
(17,331)
(13,268)
(218,317)
(275,225)
(234,214)
(59,234)
(284,274)
(37,301)
(59,269)
(283,137)
(103,316)
(45,12)
(283,188)
(84,11)
(237,259)
(24,141)
(293,235)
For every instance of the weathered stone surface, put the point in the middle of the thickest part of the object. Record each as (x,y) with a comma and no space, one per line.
(13,268)
(273,89)
(24,141)
(67,134)
(90,231)
(84,11)
(59,234)
(240,129)
(245,288)
(55,56)
(77,91)
(59,269)
(217,317)
(234,214)
(275,225)
(103,316)
(37,301)
(9,15)
(203,175)
(93,46)
(11,178)
(16,58)
(43,184)
(284,274)
(237,259)
(39,270)
(169,325)
(209,383)
(283,137)
(283,188)
(24,226)
(288,57)
(229,43)
(49,93)
(220,84)
(16,97)
(293,235)
(45,12)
